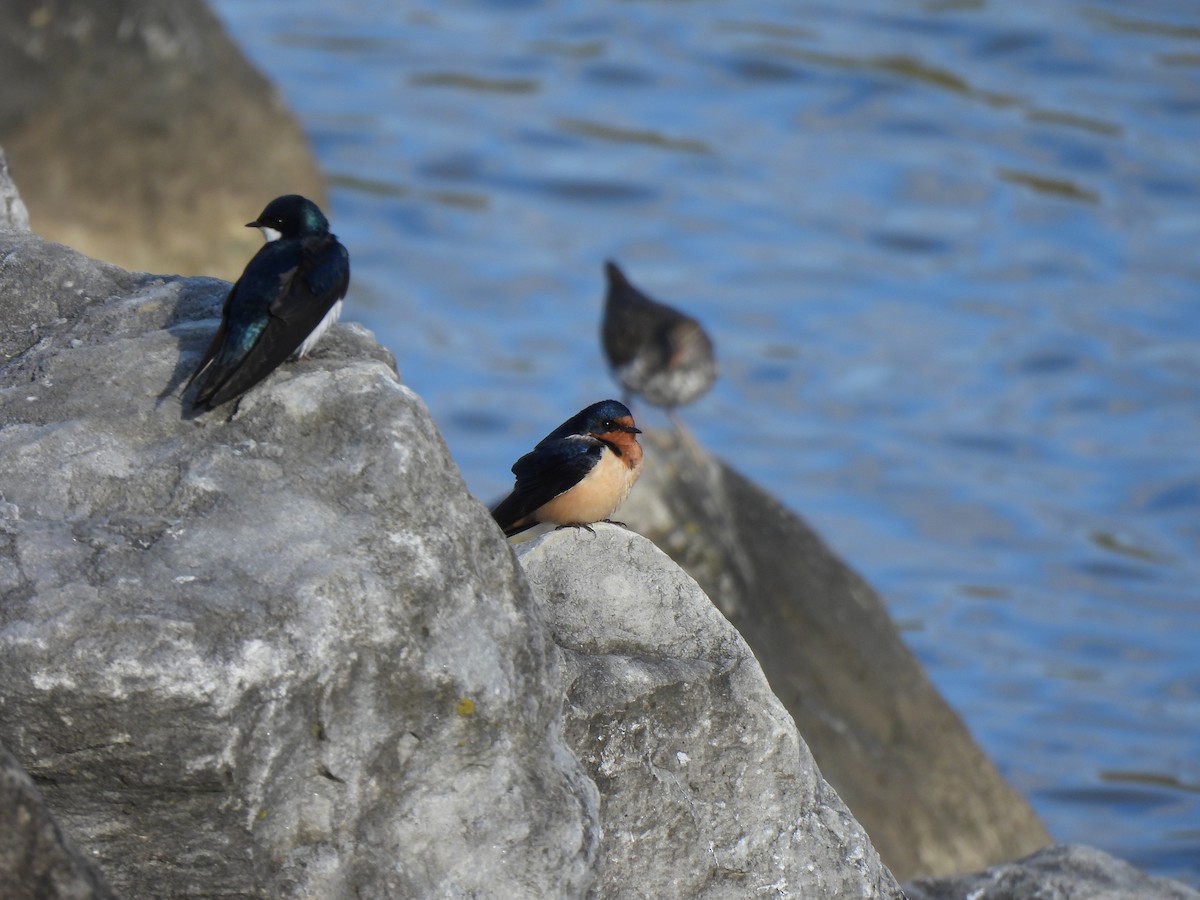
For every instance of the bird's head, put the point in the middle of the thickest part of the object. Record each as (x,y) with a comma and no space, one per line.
(611,421)
(290,216)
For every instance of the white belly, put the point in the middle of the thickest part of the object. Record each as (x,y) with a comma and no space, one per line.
(322,327)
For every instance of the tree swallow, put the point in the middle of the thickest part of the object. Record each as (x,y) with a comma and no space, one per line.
(654,350)
(577,474)
(288,296)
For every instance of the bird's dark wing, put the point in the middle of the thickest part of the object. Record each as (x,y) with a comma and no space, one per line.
(217,340)
(552,468)
(633,323)
(622,330)
(242,322)
(282,296)
(321,280)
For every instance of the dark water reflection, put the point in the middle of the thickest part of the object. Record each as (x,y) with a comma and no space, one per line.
(949,252)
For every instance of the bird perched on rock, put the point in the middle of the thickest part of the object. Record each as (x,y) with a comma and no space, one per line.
(288,296)
(578,474)
(654,350)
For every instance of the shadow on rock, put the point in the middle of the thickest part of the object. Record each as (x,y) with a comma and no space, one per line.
(37,862)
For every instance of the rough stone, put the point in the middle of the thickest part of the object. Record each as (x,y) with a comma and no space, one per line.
(669,711)
(1061,872)
(36,861)
(13,213)
(276,650)
(140,134)
(898,755)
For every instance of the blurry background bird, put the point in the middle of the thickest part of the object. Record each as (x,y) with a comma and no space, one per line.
(655,351)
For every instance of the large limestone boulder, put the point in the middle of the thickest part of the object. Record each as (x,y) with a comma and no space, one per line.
(669,710)
(140,134)
(279,651)
(898,755)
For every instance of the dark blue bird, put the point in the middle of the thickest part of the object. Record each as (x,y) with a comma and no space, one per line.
(288,296)
(577,474)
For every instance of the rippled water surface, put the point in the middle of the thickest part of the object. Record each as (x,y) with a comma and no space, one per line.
(949,253)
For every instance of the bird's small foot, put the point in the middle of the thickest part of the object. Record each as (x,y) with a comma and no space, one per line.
(615,522)
(576,525)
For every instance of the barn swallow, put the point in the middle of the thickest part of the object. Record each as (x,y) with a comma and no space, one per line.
(288,296)
(577,474)
(654,350)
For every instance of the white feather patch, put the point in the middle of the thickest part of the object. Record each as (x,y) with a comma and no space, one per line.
(315,334)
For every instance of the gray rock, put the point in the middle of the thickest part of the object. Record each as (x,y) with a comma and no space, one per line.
(140,134)
(66,284)
(13,214)
(883,736)
(1061,872)
(36,861)
(707,789)
(277,650)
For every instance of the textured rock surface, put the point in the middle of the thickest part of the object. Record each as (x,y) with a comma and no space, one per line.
(1062,872)
(13,213)
(277,651)
(669,711)
(140,134)
(36,861)
(882,735)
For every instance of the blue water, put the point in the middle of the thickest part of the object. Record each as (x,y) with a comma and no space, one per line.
(949,254)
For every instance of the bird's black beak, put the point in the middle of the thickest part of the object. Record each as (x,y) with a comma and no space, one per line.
(253,225)
(633,429)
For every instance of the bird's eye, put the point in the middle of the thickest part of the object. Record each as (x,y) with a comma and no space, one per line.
(609,425)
